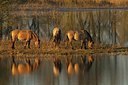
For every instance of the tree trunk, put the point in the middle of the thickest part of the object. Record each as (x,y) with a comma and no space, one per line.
(1,22)
(99,22)
(92,26)
(114,27)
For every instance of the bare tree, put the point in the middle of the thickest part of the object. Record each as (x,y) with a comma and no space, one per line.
(92,25)
(114,27)
(81,20)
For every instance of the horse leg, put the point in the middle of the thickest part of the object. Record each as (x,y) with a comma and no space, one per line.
(25,44)
(82,44)
(13,42)
(71,44)
(85,44)
(66,44)
(28,44)
(54,43)
(57,43)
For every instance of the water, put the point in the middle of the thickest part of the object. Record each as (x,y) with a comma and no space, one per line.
(105,69)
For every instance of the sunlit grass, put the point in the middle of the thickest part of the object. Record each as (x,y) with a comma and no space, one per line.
(48,49)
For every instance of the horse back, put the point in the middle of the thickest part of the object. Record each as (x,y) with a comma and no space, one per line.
(25,35)
(21,34)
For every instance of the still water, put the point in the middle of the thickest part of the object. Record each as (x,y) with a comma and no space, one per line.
(99,69)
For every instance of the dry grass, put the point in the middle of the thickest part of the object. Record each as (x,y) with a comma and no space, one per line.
(47,49)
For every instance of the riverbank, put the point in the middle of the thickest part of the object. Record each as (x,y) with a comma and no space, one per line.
(48,50)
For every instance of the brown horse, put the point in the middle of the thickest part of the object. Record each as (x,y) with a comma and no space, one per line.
(56,36)
(25,35)
(82,35)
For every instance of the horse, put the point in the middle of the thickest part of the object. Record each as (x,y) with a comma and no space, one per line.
(25,35)
(56,36)
(82,35)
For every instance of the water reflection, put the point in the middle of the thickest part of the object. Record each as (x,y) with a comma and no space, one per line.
(100,69)
(24,67)
(87,62)
(57,66)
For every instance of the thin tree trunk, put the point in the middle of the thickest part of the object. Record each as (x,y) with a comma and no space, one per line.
(1,22)
(99,29)
(114,27)
(38,28)
(92,26)
(109,24)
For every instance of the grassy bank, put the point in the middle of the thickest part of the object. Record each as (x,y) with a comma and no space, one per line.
(47,49)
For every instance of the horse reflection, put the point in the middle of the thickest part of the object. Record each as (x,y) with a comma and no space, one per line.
(57,66)
(24,68)
(82,35)
(72,68)
(87,61)
(76,68)
(36,63)
(25,35)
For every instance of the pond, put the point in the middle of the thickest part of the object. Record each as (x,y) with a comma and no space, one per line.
(98,69)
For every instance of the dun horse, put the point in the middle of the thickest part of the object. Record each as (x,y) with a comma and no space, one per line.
(56,36)
(25,35)
(82,35)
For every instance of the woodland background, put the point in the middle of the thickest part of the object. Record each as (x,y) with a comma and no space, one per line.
(105,20)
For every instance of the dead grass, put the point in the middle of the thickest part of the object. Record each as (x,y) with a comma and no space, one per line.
(48,49)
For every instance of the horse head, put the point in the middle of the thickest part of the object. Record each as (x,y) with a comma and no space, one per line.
(90,44)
